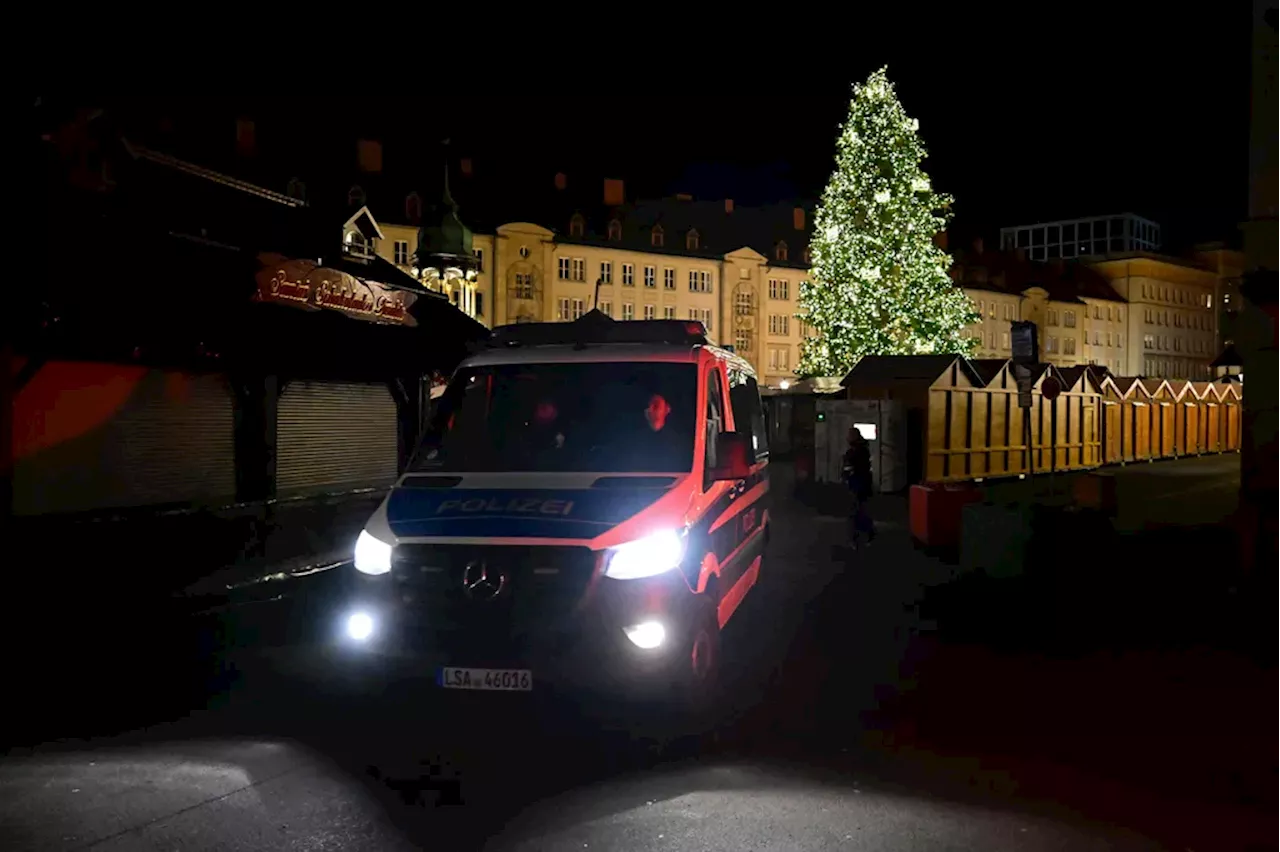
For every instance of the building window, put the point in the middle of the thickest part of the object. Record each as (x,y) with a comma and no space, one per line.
(628,275)
(524,285)
(1008,313)
(606,272)
(1069,346)
(780,252)
(576,226)
(606,308)
(355,196)
(780,324)
(296,189)
(579,308)
(742,340)
(562,268)
(1004,340)
(699,281)
(524,252)
(779,288)
(743,305)
(1119,341)
(479,297)
(400,249)
(651,277)
(479,253)
(668,278)
(807,256)
(579,269)
(668,311)
(562,309)
(991,310)
(691,240)
(413,207)
(1052,316)
(656,236)
(702,315)
(615,229)
(1051,344)
(779,358)
(1069,319)
(650,312)
(628,311)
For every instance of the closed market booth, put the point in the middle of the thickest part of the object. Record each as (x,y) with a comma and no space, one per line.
(1186,418)
(1162,419)
(101,435)
(1229,416)
(1111,418)
(1135,418)
(335,436)
(1210,403)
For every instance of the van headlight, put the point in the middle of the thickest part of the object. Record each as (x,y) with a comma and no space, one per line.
(646,557)
(372,555)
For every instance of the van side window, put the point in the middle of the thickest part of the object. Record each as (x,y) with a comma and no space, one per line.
(715,415)
(748,413)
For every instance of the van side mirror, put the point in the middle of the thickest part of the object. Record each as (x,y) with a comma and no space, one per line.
(734,456)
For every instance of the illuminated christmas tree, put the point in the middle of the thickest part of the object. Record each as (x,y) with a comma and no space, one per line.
(879,282)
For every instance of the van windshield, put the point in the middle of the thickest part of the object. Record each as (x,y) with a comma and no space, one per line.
(611,417)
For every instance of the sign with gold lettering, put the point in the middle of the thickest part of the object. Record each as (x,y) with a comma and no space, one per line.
(291,281)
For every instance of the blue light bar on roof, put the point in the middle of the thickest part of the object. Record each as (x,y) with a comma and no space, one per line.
(594,328)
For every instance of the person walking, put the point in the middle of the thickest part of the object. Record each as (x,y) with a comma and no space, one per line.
(857,477)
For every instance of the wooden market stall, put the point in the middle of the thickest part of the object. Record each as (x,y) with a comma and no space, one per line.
(1229,416)
(1135,418)
(1110,416)
(1077,430)
(1207,400)
(1186,418)
(943,418)
(1162,419)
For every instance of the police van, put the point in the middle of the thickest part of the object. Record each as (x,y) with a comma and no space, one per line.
(588,509)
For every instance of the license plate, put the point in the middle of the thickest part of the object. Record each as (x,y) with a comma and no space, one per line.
(497,680)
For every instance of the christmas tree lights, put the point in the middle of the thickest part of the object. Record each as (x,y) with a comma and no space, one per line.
(879,283)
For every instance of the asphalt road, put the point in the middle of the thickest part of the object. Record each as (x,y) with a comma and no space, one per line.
(854,721)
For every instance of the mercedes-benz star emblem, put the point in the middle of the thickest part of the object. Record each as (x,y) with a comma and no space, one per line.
(479,583)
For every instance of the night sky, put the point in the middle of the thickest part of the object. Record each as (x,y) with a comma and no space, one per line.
(1071,110)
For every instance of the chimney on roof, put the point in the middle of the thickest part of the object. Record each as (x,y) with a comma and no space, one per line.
(978,246)
(797,218)
(728,205)
(614,196)
(940,240)
(562,180)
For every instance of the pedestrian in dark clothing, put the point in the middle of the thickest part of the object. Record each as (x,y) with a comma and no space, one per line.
(857,476)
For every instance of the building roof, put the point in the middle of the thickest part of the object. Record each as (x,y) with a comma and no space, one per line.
(1006,272)
(988,368)
(885,369)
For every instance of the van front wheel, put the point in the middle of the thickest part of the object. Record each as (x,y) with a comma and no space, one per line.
(699,681)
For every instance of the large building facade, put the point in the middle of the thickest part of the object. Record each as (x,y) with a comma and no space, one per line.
(1112,301)
(1132,310)
(736,269)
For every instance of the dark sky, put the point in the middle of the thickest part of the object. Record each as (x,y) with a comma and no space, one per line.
(1029,115)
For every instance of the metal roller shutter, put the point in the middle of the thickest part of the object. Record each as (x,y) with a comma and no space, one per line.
(172,441)
(332,435)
